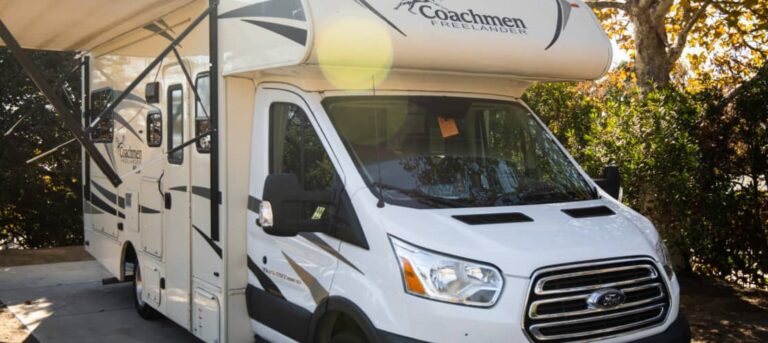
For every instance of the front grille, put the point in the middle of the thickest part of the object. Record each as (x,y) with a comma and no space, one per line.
(558,308)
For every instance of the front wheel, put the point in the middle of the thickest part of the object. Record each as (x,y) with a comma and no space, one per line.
(145,311)
(351,336)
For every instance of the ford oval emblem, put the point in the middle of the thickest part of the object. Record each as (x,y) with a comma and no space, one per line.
(606,299)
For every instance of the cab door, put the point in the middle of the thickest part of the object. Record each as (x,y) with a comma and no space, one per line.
(286,139)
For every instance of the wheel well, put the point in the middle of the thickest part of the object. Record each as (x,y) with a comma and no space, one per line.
(337,314)
(333,323)
(128,262)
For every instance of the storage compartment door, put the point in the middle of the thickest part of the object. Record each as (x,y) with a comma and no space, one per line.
(205,316)
(151,217)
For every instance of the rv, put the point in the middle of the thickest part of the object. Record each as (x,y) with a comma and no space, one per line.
(350,170)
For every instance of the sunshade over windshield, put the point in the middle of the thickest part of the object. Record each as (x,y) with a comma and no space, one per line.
(437,152)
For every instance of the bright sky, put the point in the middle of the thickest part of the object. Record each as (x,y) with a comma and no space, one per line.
(619,55)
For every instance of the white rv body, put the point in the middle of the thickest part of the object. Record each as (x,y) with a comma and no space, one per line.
(242,281)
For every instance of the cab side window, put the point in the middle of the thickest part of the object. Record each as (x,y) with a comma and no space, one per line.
(296,149)
(103,131)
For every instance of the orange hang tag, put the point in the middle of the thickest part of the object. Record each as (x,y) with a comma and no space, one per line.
(448,127)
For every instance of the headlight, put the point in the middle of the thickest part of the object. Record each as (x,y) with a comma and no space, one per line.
(434,276)
(663,254)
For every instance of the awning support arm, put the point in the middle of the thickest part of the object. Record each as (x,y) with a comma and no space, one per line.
(191,83)
(71,120)
(149,68)
(24,106)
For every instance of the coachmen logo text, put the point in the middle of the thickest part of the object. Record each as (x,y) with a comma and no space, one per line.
(128,155)
(469,19)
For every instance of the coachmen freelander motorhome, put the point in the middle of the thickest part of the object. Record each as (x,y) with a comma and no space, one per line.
(349,170)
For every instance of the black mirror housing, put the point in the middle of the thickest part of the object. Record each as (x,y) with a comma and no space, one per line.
(295,210)
(611,181)
(152,93)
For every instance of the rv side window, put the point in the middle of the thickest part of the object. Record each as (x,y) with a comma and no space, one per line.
(202,113)
(103,131)
(295,148)
(175,123)
(154,129)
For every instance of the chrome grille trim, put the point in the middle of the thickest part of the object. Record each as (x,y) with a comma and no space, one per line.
(541,284)
(535,305)
(647,294)
(536,329)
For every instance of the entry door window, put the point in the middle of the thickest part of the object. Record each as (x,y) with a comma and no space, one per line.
(175,123)
(296,149)
(202,113)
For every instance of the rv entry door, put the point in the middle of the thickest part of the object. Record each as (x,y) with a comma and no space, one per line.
(177,192)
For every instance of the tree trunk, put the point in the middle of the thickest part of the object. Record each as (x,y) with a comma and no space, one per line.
(652,64)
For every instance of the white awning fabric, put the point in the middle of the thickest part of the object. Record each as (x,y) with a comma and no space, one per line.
(78,25)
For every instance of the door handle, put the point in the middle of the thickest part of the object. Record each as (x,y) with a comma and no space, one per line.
(167,199)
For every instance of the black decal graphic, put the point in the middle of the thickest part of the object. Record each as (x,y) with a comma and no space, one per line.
(315,288)
(148,210)
(287,9)
(112,197)
(208,240)
(203,192)
(102,205)
(295,34)
(563,16)
(178,189)
(264,280)
(368,6)
(315,239)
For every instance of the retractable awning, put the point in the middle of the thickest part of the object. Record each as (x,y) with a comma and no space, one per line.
(78,25)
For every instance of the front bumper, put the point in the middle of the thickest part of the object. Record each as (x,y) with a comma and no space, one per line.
(678,332)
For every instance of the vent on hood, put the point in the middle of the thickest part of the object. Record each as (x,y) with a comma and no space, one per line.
(587,212)
(496,218)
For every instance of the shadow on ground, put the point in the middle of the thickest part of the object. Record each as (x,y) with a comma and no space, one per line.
(719,312)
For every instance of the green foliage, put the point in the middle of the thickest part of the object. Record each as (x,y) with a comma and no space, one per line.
(40,203)
(679,155)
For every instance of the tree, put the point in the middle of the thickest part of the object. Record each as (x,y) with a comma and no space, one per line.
(695,163)
(40,203)
(723,40)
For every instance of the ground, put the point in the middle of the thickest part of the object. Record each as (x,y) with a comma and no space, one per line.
(11,330)
(718,312)
(9,258)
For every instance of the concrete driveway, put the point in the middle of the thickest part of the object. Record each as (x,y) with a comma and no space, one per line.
(66,302)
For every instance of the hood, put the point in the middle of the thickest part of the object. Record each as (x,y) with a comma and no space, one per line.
(518,249)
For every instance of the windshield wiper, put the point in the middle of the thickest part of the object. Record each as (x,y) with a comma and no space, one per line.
(531,198)
(421,196)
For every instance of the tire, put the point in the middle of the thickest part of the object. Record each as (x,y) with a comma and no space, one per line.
(145,311)
(352,336)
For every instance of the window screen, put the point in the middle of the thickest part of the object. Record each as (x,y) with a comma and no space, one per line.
(202,113)
(103,131)
(154,129)
(296,149)
(175,123)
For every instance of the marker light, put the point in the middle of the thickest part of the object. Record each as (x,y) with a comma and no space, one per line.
(448,279)
(662,254)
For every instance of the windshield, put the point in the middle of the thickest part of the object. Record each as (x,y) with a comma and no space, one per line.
(438,152)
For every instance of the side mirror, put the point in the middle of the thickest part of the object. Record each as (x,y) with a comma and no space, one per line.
(288,209)
(611,182)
